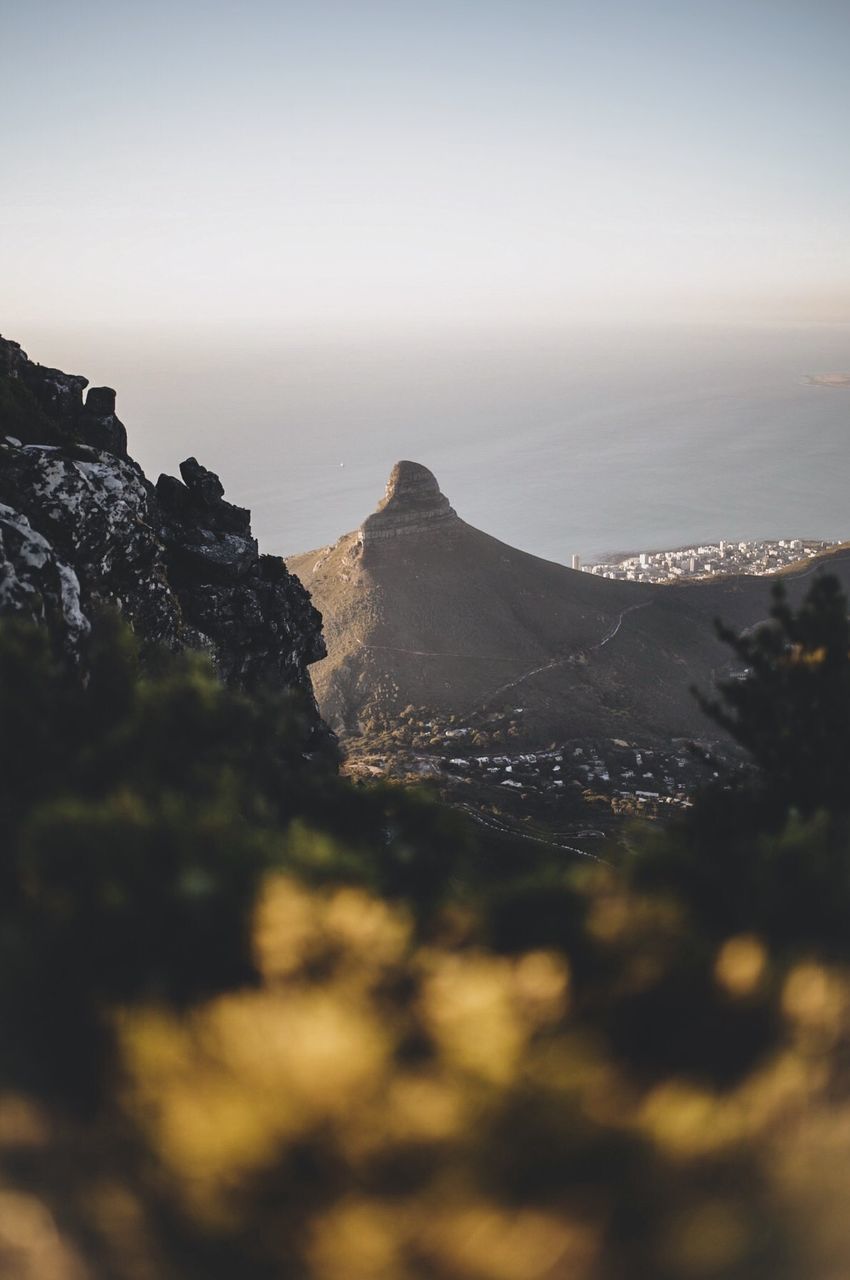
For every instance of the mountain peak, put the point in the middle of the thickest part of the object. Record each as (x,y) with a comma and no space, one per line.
(410,480)
(412,503)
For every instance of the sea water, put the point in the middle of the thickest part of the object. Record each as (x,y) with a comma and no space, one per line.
(580,440)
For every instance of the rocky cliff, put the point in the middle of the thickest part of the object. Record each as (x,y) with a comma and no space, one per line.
(81,526)
(412,504)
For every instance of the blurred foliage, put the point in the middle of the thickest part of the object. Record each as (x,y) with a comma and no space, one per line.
(139,811)
(262,1023)
(770,849)
(789,705)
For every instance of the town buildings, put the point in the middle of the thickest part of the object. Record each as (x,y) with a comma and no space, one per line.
(757,557)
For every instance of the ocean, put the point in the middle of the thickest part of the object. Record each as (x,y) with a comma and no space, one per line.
(573,441)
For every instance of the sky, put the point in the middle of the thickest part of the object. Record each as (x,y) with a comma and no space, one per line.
(392,166)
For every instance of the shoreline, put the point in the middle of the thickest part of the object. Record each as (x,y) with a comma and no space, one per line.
(835,381)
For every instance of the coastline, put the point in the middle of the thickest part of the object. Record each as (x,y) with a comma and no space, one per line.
(617,557)
(835,381)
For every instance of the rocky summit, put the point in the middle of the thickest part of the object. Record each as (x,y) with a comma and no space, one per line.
(412,504)
(81,526)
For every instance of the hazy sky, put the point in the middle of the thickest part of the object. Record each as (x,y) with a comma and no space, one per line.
(390,164)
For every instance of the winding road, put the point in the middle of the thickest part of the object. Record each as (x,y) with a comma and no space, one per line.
(526,675)
(432,653)
(609,635)
(558,662)
(505,829)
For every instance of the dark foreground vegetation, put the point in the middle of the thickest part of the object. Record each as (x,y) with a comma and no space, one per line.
(258,1022)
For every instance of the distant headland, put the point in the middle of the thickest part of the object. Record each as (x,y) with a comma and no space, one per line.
(828,379)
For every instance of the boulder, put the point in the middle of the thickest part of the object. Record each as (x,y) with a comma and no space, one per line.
(98,424)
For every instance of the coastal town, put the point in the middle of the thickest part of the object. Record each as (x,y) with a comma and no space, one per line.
(622,777)
(572,795)
(626,777)
(708,560)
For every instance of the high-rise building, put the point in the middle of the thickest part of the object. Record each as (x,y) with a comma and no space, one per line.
(576,562)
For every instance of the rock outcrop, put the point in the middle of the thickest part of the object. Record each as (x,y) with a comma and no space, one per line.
(412,504)
(81,526)
(254,615)
(39,405)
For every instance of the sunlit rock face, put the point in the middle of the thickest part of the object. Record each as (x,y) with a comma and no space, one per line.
(81,526)
(413,503)
(33,581)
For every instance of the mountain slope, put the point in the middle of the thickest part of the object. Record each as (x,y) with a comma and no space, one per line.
(422,609)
